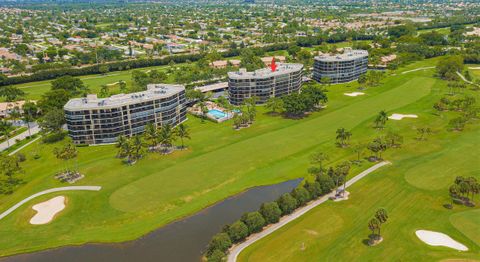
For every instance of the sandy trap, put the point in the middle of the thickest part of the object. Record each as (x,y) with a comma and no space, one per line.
(47,210)
(401,116)
(354,94)
(439,239)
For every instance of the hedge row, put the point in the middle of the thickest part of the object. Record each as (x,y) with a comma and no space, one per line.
(269,213)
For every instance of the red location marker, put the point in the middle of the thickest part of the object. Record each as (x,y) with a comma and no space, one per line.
(273,66)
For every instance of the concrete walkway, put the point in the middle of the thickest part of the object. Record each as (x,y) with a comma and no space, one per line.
(464,79)
(237,249)
(48,191)
(34,129)
(418,69)
(22,147)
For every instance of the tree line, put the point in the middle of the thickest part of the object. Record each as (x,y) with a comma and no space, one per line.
(154,139)
(325,181)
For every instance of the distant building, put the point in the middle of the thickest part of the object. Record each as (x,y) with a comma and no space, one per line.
(7,107)
(7,55)
(93,120)
(268,59)
(341,68)
(224,63)
(282,79)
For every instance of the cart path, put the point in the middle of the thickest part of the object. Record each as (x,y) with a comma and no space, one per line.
(237,249)
(48,191)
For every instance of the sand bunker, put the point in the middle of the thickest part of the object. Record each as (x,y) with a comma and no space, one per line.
(47,210)
(354,94)
(439,239)
(401,116)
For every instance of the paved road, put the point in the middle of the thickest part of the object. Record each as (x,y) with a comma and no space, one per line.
(48,191)
(235,250)
(34,129)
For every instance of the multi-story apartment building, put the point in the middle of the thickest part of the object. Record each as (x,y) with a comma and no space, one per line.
(341,68)
(282,79)
(93,120)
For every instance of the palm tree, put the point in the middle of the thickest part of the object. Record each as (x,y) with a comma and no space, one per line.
(151,135)
(343,135)
(318,159)
(123,146)
(183,132)
(69,151)
(5,128)
(374,225)
(137,146)
(340,173)
(166,136)
(381,119)
(204,109)
(251,111)
(359,148)
(274,104)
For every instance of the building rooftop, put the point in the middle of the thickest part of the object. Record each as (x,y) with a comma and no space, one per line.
(282,68)
(154,91)
(348,54)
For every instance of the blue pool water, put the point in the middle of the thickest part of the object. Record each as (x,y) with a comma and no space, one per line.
(217,113)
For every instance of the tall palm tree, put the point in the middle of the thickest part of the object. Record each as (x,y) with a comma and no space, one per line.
(183,132)
(151,135)
(5,128)
(137,146)
(382,217)
(167,136)
(123,146)
(343,135)
(381,119)
(373,225)
(318,159)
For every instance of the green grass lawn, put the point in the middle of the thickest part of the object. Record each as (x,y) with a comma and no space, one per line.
(475,73)
(337,231)
(413,190)
(220,162)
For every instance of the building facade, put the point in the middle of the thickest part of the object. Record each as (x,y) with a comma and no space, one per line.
(264,83)
(341,68)
(93,120)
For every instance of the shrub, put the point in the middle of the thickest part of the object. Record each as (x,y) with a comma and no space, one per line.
(53,137)
(254,221)
(21,157)
(313,188)
(238,231)
(326,183)
(271,212)
(287,203)
(216,256)
(301,195)
(220,242)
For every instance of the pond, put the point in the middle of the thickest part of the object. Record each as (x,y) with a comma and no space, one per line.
(183,240)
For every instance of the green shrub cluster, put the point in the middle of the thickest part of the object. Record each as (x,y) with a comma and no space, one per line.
(269,213)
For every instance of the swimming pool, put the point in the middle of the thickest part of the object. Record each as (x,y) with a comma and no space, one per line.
(217,113)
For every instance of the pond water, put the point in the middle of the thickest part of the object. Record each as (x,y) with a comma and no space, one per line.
(183,240)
